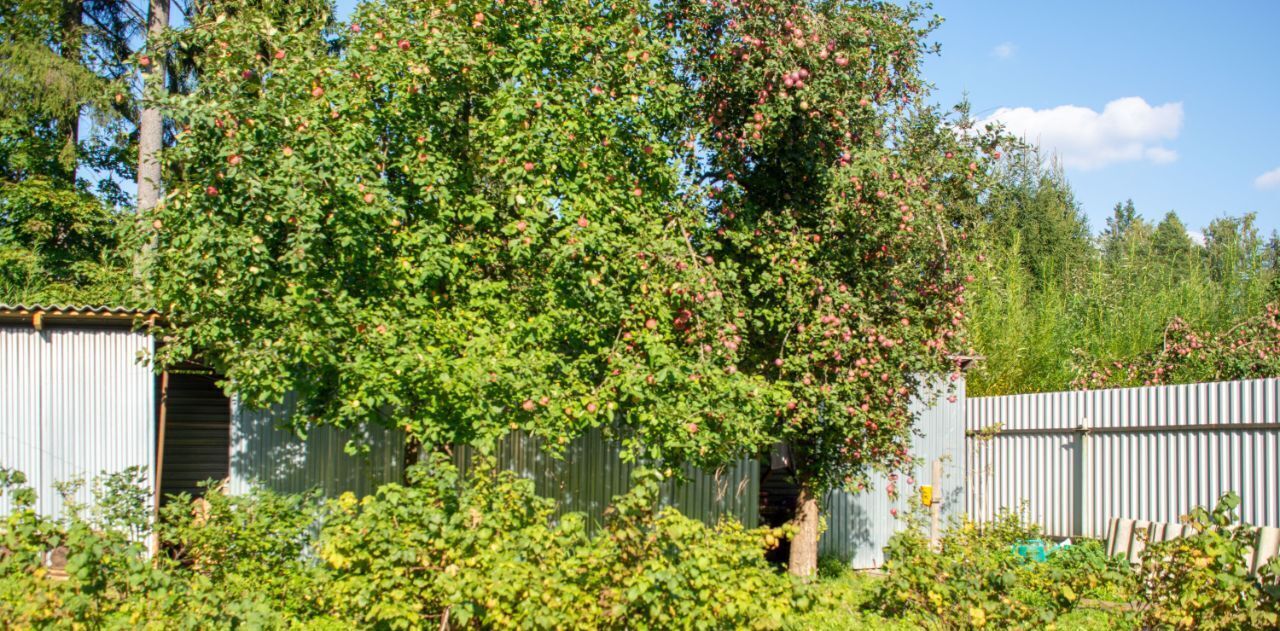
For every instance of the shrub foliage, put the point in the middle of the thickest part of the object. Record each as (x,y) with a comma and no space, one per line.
(975,579)
(438,552)
(1204,582)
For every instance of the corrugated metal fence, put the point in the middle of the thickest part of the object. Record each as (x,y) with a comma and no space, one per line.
(591,473)
(858,525)
(74,403)
(1077,459)
(267,456)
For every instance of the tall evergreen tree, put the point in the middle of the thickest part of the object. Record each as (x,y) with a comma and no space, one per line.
(1126,236)
(1033,205)
(1122,218)
(1170,242)
(1233,248)
(151,124)
(61,62)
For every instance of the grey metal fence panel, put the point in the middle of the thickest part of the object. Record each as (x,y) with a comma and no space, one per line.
(591,473)
(1077,459)
(265,455)
(74,403)
(859,525)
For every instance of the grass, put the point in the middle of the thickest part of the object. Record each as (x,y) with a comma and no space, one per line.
(843,603)
(845,597)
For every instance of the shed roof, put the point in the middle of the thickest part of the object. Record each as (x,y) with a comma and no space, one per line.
(38,315)
(966,362)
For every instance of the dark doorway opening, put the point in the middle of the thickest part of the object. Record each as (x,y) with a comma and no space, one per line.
(194,430)
(778,494)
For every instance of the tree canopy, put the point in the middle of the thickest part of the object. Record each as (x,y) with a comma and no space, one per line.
(63,64)
(704,228)
(834,186)
(458,221)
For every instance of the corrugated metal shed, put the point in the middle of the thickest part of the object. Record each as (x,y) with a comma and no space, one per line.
(1150,453)
(195,431)
(75,403)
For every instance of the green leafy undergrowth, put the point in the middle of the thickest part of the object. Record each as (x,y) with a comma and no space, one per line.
(975,580)
(844,600)
(847,601)
(1203,581)
(438,552)
(483,552)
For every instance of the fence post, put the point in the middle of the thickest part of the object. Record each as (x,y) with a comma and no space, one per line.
(935,505)
(1084,477)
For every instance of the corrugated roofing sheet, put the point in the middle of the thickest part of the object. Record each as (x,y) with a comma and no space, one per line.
(74,309)
(38,315)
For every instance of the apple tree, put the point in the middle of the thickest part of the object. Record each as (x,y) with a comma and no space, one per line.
(701,227)
(837,197)
(457,219)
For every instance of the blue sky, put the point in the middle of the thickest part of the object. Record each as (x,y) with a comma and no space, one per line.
(1200,140)
(1194,90)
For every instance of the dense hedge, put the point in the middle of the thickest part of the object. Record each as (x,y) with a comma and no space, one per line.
(478,553)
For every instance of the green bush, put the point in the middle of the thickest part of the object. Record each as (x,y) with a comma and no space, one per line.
(1203,581)
(842,602)
(975,580)
(483,551)
(250,552)
(440,551)
(1086,569)
(108,580)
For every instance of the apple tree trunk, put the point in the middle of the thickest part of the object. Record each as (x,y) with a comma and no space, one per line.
(804,544)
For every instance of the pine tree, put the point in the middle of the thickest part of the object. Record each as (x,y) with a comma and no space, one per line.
(1126,236)
(60,61)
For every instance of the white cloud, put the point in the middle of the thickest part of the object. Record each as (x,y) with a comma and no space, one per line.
(1161,155)
(1004,50)
(1126,130)
(1270,179)
(1196,236)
